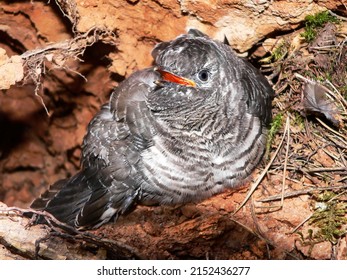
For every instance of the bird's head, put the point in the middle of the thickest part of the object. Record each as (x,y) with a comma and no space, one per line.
(193,69)
(202,76)
(192,60)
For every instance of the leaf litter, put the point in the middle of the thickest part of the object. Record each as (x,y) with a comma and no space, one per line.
(309,79)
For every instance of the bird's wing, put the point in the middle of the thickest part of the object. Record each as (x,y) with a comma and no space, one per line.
(109,181)
(124,121)
(258,92)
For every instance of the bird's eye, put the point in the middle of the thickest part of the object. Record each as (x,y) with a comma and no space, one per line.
(203,75)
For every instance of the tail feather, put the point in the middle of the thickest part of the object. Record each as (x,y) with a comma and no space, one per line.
(86,200)
(64,199)
(41,202)
(98,203)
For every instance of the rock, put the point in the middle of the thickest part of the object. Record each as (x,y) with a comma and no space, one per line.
(244,23)
(11,70)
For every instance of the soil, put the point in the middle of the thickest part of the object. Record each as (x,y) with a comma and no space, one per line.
(43,119)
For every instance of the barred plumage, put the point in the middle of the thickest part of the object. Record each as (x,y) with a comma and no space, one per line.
(181,131)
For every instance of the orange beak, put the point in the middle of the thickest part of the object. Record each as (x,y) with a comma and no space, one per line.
(170,77)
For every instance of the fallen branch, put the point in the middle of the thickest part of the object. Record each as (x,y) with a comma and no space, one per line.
(56,240)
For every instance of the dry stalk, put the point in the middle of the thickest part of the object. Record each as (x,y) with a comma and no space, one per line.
(339,97)
(300,192)
(287,131)
(284,178)
(333,131)
(302,223)
(262,175)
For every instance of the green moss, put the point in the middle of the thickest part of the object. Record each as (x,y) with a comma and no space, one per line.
(277,53)
(280,52)
(299,121)
(319,19)
(275,126)
(329,219)
(343,91)
(309,34)
(314,22)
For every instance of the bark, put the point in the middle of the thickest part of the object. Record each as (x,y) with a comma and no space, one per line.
(22,238)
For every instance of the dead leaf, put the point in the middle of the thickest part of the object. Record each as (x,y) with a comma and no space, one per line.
(315,102)
(325,38)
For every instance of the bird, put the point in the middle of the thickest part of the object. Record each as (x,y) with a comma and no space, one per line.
(190,126)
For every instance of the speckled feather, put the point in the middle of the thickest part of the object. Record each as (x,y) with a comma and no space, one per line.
(168,143)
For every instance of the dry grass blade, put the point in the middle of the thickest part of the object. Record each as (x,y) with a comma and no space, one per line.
(287,131)
(300,192)
(302,223)
(261,176)
(333,131)
(339,97)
